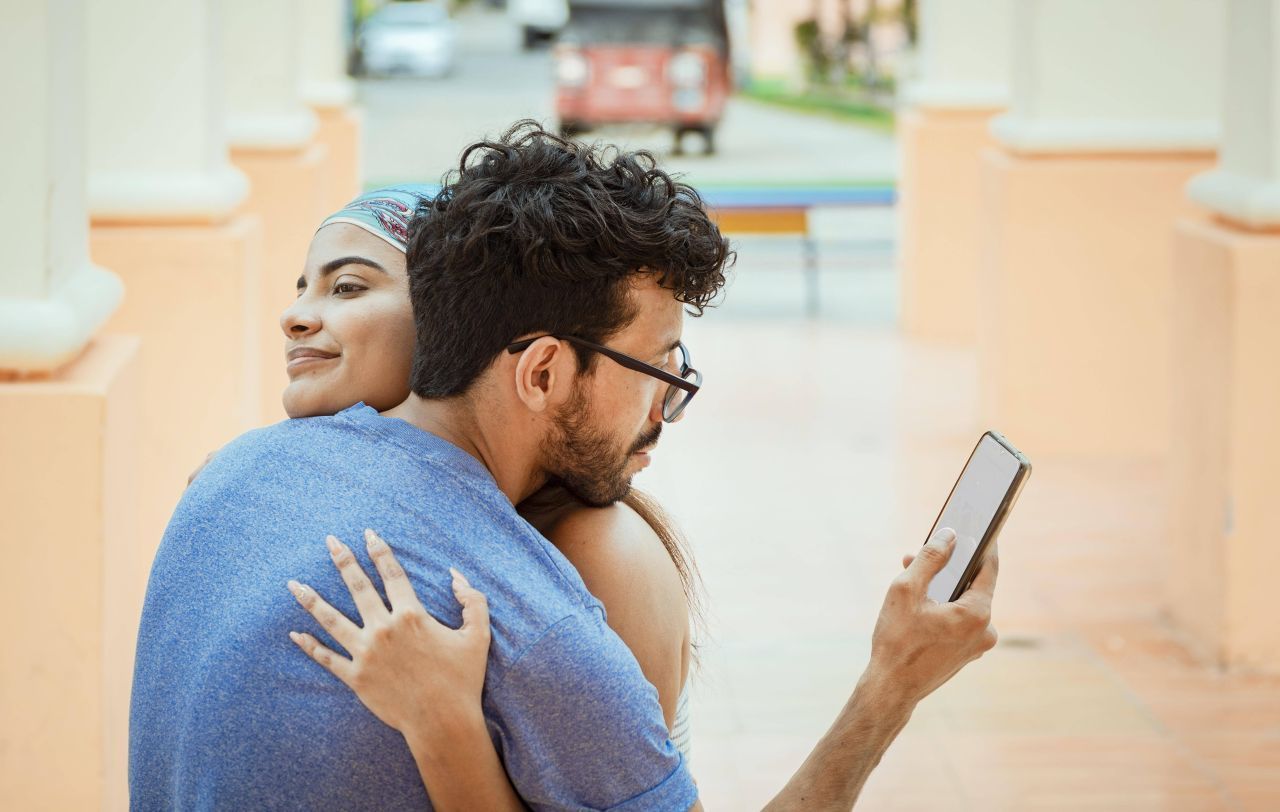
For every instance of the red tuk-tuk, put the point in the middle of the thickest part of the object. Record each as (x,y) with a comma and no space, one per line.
(663,62)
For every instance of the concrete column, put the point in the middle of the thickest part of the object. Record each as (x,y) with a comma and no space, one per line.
(963,82)
(53,299)
(68,402)
(331,94)
(1226,390)
(272,133)
(1114,107)
(157,151)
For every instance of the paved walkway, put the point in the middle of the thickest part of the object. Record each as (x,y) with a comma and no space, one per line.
(816,455)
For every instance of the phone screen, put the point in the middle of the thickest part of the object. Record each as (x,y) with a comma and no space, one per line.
(971,508)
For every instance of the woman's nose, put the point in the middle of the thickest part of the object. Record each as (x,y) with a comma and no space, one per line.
(299,319)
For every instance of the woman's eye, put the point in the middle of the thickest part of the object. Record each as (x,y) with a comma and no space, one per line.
(348,287)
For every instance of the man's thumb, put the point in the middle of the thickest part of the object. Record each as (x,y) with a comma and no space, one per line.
(933,556)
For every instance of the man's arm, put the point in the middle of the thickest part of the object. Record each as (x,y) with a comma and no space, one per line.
(917,646)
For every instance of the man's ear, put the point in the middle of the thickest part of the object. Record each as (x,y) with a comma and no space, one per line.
(544,373)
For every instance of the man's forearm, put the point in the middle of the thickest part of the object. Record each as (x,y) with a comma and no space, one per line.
(838,766)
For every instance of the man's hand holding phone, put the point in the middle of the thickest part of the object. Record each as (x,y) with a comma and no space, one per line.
(918,643)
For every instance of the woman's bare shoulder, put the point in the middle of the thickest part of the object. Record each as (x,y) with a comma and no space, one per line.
(614,546)
(623,562)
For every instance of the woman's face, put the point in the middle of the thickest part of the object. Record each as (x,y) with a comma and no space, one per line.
(349,336)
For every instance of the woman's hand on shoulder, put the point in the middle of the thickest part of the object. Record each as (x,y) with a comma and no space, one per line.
(414,673)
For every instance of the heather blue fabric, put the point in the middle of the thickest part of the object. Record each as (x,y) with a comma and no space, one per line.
(228,714)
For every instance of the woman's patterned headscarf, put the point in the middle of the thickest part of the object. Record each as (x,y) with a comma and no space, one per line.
(385,212)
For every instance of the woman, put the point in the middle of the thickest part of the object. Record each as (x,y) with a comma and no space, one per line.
(349,339)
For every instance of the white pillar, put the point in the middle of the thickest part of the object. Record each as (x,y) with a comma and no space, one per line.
(157,151)
(260,40)
(322,30)
(52,299)
(1093,76)
(1245,186)
(964,57)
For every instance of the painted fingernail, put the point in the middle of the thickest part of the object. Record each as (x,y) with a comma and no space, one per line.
(371,538)
(297,589)
(332,543)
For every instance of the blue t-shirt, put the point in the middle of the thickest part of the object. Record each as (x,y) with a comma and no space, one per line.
(227,713)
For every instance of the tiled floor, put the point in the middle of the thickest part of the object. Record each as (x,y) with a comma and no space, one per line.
(815,456)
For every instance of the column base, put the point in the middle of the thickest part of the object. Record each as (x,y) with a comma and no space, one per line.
(1226,396)
(286,194)
(68,477)
(1074,293)
(340,131)
(193,299)
(941,178)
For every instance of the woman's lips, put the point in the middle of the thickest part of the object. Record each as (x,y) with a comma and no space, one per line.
(300,357)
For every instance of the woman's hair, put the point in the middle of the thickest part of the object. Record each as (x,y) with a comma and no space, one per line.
(554,496)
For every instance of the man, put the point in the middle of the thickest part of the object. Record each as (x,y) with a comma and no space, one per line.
(549,287)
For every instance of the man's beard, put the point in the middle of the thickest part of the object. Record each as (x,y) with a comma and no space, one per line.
(585,459)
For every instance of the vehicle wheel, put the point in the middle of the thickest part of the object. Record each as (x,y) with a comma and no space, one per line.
(677,147)
(709,141)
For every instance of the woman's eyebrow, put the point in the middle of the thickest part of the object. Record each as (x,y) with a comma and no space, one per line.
(334,264)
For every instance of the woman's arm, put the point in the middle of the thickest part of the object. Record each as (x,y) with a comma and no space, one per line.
(624,564)
(415,674)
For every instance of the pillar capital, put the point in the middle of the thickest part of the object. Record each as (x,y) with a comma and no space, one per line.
(53,299)
(1245,186)
(1095,77)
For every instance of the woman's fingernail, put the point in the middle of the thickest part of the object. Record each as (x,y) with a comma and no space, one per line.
(296,588)
(295,637)
(332,543)
(371,538)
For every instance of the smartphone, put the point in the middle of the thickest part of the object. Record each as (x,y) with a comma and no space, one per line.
(976,509)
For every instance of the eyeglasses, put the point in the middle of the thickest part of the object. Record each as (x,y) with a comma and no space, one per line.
(681,388)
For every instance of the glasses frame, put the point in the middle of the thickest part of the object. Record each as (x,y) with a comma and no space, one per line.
(622,359)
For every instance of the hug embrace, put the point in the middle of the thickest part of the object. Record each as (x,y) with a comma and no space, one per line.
(475,378)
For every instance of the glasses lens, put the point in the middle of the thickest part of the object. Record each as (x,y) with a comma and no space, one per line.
(678,398)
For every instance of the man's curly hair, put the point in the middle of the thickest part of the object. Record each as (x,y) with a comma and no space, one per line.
(534,233)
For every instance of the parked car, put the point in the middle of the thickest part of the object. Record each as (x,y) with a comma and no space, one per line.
(538,19)
(415,38)
(663,62)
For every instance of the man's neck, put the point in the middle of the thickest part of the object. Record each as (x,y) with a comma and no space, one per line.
(457,421)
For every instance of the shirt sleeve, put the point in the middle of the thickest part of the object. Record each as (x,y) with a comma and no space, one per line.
(580,727)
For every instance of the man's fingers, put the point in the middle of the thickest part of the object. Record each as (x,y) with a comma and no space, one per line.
(337,665)
(475,606)
(931,558)
(399,591)
(979,593)
(362,590)
(330,619)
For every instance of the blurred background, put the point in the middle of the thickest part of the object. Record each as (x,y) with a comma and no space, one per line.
(1056,218)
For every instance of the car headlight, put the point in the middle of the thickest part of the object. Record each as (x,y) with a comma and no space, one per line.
(687,69)
(572,69)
